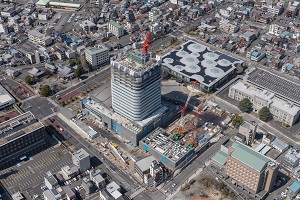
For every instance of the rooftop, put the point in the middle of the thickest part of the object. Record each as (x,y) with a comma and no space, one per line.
(96,50)
(81,154)
(164,145)
(280,144)
(5,97)
(249,157)
(282,87)
(295,187)
(199,62)
(115,24)
(144,164)
(220,157)
(72,5)
(38,34)
(135,63)
(17,126)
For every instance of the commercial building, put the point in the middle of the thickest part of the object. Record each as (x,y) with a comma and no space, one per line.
(156,175)
(136,85)
(171,153)
(282,110)
(247,169)
(283,89)
(39,38)
(5,98)
(20,137)
(81,159)
(115,28)
(96,177)
(96,56)
(197,62)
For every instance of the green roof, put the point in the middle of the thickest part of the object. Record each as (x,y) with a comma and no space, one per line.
(96,50)
(42,2)
(115,24)
(220,157)
(71,5)
(249,157)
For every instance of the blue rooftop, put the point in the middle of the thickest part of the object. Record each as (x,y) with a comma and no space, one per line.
(255,53)
(295,187)
(84,101)
(290,66)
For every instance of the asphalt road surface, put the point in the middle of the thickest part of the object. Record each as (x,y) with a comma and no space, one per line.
(41,108)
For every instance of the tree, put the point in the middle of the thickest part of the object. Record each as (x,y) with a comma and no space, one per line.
(264,114)
(78,71)
(245,105)
(28,80)
(72,63)
(45,90)
(237,120)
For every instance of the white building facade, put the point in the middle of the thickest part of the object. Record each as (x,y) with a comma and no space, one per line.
(97,56)
(281,110)
(115,28)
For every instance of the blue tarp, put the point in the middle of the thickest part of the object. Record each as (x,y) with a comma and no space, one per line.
(290,66)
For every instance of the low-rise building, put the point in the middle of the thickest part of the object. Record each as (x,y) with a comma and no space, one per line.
(12,73)
(112,191)
(281,110)
(96,56)
(39,38)
(96,177)
(279,145)
(69,171)
(291,159)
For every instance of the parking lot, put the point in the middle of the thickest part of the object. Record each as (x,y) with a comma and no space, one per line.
(30,173)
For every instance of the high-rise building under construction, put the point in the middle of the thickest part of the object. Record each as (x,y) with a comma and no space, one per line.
(136,85)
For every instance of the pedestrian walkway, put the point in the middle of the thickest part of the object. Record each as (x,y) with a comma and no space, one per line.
(32,97)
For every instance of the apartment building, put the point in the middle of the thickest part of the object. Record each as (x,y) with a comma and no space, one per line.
(39,38)
(115,28)
(20,137)
(246,168)
(97,56)
(276,29)
(153,15)
(81,159)
(281,110)
(225,25)
(273,9)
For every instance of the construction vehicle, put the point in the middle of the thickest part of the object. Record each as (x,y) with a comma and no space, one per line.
(114,145)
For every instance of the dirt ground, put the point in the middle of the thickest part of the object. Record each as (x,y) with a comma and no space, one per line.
(205,187)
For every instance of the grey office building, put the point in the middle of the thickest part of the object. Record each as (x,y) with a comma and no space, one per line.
(19,137)
(136,85)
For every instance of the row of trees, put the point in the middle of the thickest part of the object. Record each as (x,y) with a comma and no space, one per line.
(246,106)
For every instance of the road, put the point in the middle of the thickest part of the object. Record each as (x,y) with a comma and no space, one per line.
(82,86)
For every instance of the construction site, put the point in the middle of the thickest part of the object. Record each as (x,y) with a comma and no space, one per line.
(176,145)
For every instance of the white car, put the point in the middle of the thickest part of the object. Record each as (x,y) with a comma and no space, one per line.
(174,185)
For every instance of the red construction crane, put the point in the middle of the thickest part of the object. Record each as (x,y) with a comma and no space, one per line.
(147,43)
